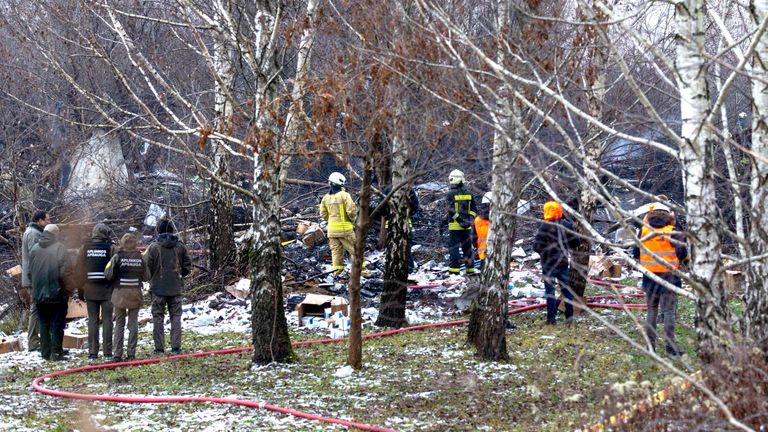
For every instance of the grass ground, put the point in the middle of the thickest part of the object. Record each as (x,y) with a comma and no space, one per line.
(558,378)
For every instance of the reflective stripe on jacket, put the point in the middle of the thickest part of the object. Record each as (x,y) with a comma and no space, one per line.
(654,240)
(462,206)
(339,210)
(481,228)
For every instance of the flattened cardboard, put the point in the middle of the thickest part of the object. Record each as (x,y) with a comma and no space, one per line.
(9,345)
(315,305)
(74,341)
(76,309)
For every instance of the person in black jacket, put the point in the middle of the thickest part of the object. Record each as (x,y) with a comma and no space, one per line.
(552,242)
(167,262)
(459,218)
(92,260)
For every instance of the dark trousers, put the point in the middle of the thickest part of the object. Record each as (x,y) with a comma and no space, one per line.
(551,278)
(159,303)
(52,317)
(460,250)
(104,309)
(660,299)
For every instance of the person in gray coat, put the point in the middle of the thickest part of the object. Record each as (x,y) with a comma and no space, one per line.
(48,262)
(93,258)
(30,238)
(167,262)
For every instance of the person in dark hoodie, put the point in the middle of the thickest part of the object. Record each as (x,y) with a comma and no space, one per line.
(92,260)
(30,238)
(670,251)
(167,262)
(48,261)
(127,270)
(553,241)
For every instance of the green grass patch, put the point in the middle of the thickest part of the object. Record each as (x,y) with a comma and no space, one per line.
(558,378)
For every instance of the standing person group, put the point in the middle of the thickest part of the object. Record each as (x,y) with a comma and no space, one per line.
(112,286)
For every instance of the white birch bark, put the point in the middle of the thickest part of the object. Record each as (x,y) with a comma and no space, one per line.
(713,321)
(220,230)
(756,312)
(487,324)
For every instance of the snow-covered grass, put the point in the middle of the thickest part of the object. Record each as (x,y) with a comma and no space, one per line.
(558,378)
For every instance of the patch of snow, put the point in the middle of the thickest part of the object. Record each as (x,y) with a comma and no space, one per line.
(343,372)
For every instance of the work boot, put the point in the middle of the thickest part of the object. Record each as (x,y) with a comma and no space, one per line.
(673,352)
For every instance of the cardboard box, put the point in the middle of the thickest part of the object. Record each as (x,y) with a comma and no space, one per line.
(605,267)
(9,345)
(314,305)
(14,271)
(74,341)
(734,282)
(313,236)
(76,309)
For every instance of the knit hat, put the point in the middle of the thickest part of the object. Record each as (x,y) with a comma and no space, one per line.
(52,228)
(128,242)
(165,226)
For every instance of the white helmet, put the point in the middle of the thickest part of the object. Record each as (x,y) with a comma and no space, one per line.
(456,177)
(487,198)
(658,206)
(336,178)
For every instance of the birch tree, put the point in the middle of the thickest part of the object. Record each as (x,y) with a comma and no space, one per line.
(756,311)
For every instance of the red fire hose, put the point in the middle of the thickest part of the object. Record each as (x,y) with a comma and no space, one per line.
(253,404)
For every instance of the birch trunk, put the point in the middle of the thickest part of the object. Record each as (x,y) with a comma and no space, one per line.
(756,311)
(220,230)
(271,341)
(697,158)
(487,330)
(394,293)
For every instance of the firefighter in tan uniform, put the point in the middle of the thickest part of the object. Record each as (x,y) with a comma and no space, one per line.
(338,208)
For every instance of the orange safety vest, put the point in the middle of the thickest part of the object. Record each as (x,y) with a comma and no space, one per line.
(660,244)
(481,228)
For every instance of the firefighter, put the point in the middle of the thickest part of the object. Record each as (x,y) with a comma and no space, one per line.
(671,252)
(340,211)
(482,223)
(460,212)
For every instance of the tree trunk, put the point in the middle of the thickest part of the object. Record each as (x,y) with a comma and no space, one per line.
(271,341)
(713,319)
(487,325)
(756,296)
(355,356)
(221,240)
(395,291)
(593,79)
